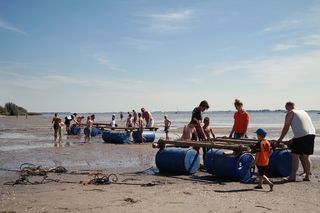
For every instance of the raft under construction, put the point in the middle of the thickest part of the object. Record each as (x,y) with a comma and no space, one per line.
(182,157)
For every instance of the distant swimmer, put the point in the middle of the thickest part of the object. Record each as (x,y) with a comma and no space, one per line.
(302,145)
(167,124)
(148,117)
(241,121)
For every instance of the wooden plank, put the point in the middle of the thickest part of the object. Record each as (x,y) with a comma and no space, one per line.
(238,139)
(101,124)
(235,141)
(130,128)
(205,144)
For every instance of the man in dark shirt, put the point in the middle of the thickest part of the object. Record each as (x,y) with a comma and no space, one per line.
(197,114)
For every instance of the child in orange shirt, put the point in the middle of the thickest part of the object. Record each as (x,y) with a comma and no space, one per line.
(263,149)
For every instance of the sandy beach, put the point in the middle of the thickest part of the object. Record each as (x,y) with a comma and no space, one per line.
(140,188)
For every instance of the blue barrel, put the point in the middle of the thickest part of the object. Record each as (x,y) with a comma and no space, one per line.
(75,130)
(149,136)
(238,168)
(280,163)
(178,160)
(94,131)
(117,137)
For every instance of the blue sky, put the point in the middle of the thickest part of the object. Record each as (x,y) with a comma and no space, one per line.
(98,56)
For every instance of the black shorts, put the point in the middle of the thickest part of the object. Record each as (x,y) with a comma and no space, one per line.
(67,122)
(166,129)
(55,126)
(262,170)
(303,145)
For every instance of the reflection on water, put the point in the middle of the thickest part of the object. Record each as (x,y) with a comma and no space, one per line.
(24,146)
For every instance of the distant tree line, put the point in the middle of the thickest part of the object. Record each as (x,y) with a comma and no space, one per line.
(14,110)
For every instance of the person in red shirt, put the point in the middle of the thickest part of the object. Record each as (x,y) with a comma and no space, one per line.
(263,149)
(241,121)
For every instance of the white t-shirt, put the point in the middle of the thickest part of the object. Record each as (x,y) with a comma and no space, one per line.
(113,123)
(301,124)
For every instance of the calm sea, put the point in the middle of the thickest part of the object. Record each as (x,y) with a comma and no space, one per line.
(222,121)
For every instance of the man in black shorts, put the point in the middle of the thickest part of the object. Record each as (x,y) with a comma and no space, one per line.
(197,115)
(303,140)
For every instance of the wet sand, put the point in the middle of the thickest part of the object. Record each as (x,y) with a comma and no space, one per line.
(139,188)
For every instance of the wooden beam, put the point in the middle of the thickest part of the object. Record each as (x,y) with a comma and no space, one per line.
(238,148)
(235,141)
(130,128)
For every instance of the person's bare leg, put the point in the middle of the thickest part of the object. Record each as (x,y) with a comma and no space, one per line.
(306,163)
(303,165)
(259,186)
(266,179)
(55,135)
(295,166)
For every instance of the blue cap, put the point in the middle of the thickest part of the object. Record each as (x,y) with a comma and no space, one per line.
(261,131)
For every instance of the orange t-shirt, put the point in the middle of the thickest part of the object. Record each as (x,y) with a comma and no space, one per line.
(264,149)
(241,119)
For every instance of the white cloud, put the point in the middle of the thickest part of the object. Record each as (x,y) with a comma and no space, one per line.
(167,22)
(283,25)
(102,58)
(141,44)
(308,19)
(305,41)
(282,72)
(280,47)
(7,26)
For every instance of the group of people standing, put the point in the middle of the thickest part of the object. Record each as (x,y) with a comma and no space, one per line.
(141,120)
(135,119)
(59,124)
(302,144)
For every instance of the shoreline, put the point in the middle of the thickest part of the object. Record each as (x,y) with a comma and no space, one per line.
(140,188)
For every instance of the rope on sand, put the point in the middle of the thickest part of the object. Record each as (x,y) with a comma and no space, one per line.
(28,170)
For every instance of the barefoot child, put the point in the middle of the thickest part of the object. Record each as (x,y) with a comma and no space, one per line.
(189,129)
(263,149)
(167,124)
(207,129)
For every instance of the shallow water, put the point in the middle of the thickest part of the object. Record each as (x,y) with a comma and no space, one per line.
(30,140)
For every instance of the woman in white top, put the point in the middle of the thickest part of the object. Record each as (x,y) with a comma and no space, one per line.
(303,140)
